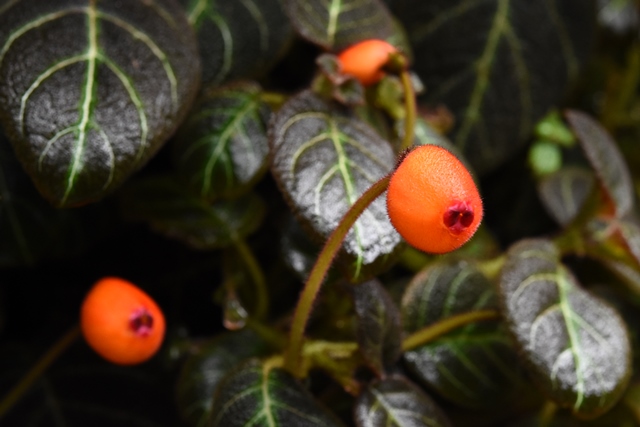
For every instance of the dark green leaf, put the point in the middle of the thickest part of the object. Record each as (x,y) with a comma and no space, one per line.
(336,24)
(89,91)
(395,402)
(474,366)
(324,158)
(577,347)
(563,193)
(261,395)
(170,210)
(238,38)
(498,65)
(379,332)
(222,149)
(203,371)
(606,159)
(29,226)
(298,251)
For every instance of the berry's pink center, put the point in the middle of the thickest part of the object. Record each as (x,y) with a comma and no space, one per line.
(141,322)
(458,217)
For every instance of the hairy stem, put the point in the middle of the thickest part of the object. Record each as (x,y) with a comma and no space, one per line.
(431,332)
(319,271)
(38,369)
(410,110)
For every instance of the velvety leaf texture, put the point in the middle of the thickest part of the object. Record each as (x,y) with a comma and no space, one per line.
(222,148)
(564,192)
(606,159)
(379,332)
(169,210)
(203,371)
(473,366)
(336,24)
(298,251)
(259,395)
(395,402)
(238,38)
(90,90)
(577,347)
(498,65)
(324,158)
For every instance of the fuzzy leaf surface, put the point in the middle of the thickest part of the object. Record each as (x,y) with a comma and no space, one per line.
(90,90)
(324,158)
(203,371)
(606,159)
(336,24)
(222,148)
(378,330)
(497,65)
(564,192)
(576,346)
(262,396)
(395,402)
(238,39)
(473,366)
(169,210)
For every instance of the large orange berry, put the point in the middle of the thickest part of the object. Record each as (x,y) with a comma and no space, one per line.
(432,200)
(121,322)
(365,60)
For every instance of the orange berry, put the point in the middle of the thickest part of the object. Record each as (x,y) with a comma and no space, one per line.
(432,200)
(121,322)
(365,60)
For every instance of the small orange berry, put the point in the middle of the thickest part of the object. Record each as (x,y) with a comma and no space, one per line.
(365,60)
(121,322)
(432,200)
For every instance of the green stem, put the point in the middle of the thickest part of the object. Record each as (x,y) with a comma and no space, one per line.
(38,369)
(257,275)
(410,110)
(547,413)
(319,271)
(431,332)
(491,268)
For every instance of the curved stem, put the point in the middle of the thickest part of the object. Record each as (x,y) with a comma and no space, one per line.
(431,332)
(38,369)
(410,110)
(319,271)
(258,278)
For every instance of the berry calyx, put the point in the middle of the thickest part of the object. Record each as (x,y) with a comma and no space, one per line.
(121,322)
(365,60)
(433,201)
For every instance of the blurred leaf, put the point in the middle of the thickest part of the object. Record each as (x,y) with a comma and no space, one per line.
(90,91)
(259,395)
(379,332)
(498,65)
(170,210)
(203,371)
(324,158)
(395,402)
(606,159)
(297,250)
(82,390)
(222,149)
(335,24)
(577,347)
(619,16)
(30,228)
(238,39)
(563,193)
(473,366)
